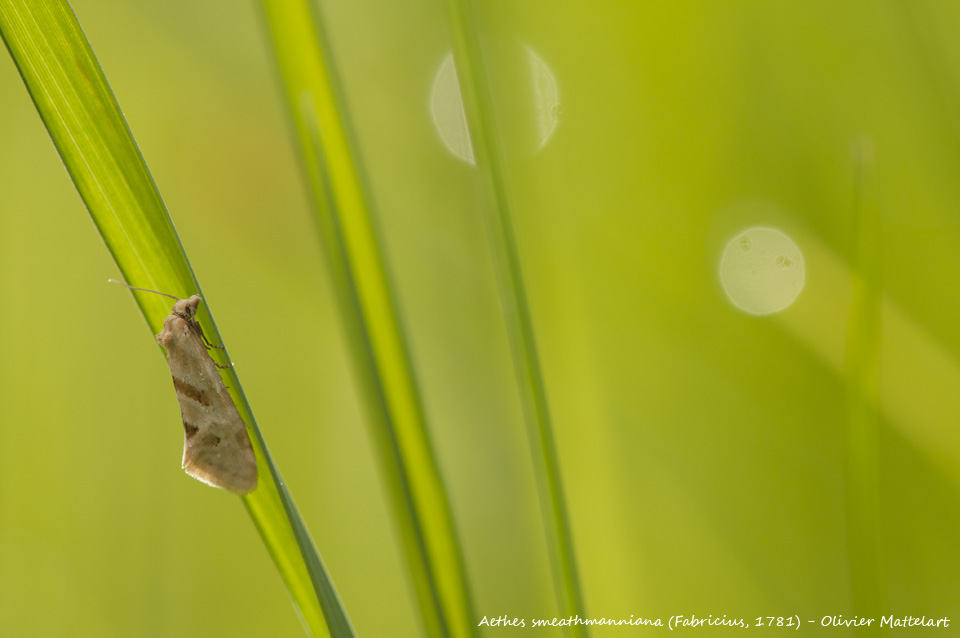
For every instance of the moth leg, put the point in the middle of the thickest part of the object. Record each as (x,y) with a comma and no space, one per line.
(199,330)
(196,326)
(210,345)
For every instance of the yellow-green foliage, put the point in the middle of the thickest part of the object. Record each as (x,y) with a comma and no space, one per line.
(713,461)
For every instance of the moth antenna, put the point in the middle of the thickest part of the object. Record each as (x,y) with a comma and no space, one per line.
(114,281)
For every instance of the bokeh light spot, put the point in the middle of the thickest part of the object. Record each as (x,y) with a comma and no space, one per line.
(762,271)
(449,117)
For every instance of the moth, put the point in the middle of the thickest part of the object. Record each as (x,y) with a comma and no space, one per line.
(216,448)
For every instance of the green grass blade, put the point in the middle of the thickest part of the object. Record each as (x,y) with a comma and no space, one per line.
(84,120)
(488,154)
(379,351)
(864,542)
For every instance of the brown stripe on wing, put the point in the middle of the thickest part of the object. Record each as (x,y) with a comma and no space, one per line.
(185,389)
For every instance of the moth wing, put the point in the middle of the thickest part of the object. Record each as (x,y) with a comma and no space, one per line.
(216,448)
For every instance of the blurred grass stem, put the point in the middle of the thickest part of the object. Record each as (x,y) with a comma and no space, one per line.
(867,574)
(474,82)
(380,356)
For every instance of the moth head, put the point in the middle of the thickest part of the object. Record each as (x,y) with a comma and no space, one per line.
(187,308)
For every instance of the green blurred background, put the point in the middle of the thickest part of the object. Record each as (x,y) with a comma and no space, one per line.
(702,448)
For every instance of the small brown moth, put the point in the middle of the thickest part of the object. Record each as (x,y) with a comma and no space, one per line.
(216,448)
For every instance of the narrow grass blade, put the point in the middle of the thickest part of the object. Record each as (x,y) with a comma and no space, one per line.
(488,154)
(864,542)
(82,116)
(380,355)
